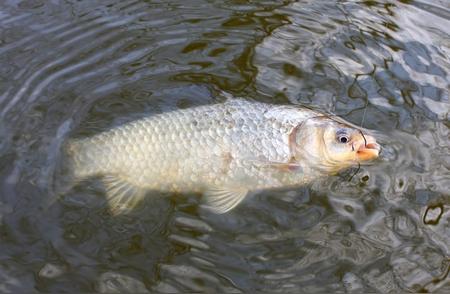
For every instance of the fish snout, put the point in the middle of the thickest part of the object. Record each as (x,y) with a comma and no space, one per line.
(369,149)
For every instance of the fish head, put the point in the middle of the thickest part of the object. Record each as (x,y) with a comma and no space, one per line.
(333,144)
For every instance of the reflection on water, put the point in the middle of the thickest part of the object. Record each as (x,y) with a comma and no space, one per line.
(77,67)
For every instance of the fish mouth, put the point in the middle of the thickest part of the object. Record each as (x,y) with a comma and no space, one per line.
(368,150)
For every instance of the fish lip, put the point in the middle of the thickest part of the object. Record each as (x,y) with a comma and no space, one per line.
(369,150)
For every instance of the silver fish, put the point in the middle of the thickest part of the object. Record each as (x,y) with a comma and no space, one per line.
(222,150)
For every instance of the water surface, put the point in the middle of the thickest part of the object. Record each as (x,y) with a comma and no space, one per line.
(74,68)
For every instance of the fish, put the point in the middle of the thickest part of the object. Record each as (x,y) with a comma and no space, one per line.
(224,151)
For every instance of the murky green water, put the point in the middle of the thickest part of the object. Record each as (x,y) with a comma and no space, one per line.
(77,67)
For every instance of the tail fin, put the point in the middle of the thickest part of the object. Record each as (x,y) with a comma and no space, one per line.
(77,159)
(74,165)
(81,159)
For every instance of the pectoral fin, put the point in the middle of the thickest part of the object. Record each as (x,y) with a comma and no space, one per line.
(281,166)
(221,200)
(121,195)
(284,167)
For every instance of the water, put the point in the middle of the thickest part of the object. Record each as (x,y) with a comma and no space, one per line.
(76,67)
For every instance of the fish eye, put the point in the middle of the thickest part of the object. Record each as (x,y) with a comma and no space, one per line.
(343,139)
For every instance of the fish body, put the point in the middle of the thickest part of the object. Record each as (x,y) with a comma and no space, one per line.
(222,150)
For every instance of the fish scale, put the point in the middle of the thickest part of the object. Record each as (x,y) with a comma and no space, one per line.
(223,150)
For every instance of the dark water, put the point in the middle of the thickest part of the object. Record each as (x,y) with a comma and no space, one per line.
(76,67)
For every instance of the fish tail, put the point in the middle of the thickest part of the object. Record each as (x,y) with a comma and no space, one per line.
(85,158)
(76,164)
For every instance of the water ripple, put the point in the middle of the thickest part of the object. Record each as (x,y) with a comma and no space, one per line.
(77,67)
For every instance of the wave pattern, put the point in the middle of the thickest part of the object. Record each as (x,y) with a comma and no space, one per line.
(376,61)
(73,68)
